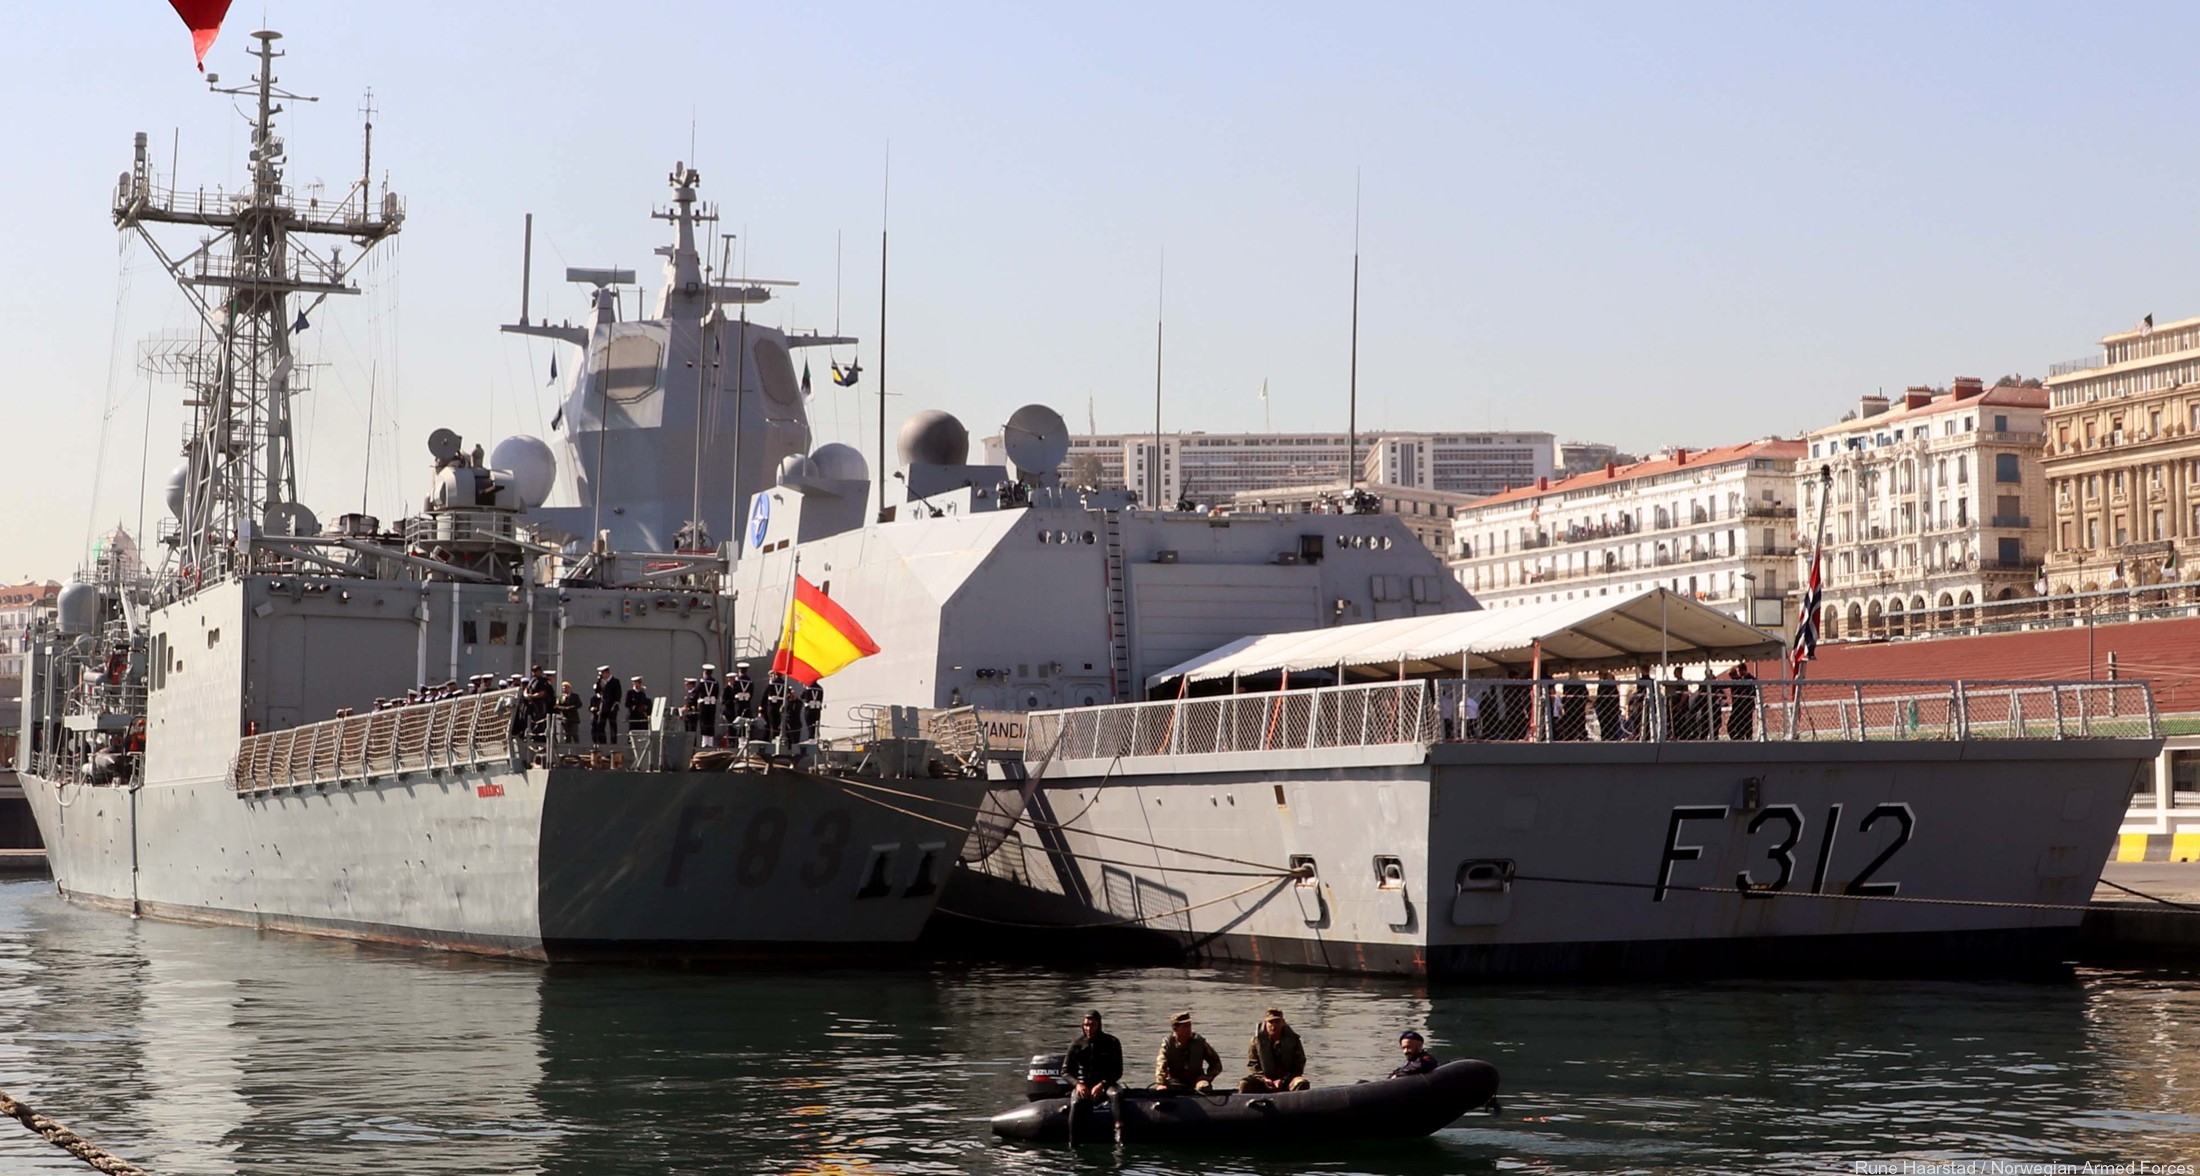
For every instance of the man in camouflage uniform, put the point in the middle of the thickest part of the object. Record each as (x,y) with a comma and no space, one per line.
(1275,1059)
(1186,1063)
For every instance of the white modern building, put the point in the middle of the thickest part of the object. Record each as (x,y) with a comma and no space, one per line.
(1938,504)
(1717,525)
(1213,468)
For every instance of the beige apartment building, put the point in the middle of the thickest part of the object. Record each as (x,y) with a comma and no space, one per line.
(2123,461)
(1716,524)
(1939,505)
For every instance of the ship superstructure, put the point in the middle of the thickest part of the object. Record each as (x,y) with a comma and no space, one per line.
(316,727)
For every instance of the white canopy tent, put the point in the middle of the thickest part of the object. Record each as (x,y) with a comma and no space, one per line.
(1601,631)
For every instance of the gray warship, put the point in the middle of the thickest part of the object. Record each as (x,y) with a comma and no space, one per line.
(206,741)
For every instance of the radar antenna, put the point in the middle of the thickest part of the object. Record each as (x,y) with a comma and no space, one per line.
(248,281)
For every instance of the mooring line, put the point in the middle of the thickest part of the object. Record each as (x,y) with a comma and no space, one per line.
(1129,920)
(1274,869)
(67,1140)
(1264,872)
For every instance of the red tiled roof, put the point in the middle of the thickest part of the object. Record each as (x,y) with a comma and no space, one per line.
(2003,396)
(19,595)
(1646,469)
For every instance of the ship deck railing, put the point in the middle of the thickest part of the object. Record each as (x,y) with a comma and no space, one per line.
(430,737)
(1518,710)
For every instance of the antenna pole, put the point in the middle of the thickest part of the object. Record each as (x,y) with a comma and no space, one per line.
(1352,418)
(366,153)
(1160,302)
(885,194)
(526,269)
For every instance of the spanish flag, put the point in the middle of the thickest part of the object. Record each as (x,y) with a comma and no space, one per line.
(819,637)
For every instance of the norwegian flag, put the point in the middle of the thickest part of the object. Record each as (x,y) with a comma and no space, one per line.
(1806,630)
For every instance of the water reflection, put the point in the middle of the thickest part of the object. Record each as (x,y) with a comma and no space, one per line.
(206,1051)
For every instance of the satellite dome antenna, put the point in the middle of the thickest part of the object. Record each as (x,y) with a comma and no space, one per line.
(1037,439)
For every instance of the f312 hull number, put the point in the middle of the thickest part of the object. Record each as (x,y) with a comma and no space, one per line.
(1785,823)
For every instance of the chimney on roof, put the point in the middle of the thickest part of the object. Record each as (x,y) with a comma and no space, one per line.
(1916,397)
(1611,469)
(1870,406)
(1969,386)
(1680,456)
(1542,483)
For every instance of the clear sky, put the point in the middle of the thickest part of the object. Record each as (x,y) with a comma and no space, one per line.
(1648,224)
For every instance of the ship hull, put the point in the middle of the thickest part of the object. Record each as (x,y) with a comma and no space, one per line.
(530,863)
(1504,859)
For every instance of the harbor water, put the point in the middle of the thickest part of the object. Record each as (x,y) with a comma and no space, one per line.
(199,1051)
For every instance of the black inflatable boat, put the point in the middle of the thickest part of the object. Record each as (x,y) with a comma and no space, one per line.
(1394,1108)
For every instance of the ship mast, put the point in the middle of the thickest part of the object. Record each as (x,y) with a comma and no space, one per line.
(258,272)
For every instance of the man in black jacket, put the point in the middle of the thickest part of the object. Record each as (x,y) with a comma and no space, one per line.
(603,711)
(1094,1066)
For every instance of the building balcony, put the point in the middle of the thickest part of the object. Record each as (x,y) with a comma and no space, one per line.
(1992,437)
(2017,521)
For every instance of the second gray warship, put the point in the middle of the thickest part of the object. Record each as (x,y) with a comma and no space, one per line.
(208,741)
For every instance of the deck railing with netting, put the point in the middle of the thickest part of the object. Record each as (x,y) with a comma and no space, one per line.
(457,732)
(1566,711)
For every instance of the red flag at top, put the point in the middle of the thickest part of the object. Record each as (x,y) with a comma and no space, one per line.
(205,20)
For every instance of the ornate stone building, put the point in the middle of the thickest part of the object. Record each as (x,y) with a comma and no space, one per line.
(2123,461)
(1938,506)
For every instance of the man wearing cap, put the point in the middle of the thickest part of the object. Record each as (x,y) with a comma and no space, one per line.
(740,697)
(1417,1059)
(537,694)
(1094,1066)
(1275,1059)
(1185,1063)
(637,704)
(603,709)
(689,693)
(708,694)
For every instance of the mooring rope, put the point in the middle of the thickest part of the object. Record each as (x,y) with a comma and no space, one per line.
(2168,902)
(1262,872)
(1059,825)
(67,1140)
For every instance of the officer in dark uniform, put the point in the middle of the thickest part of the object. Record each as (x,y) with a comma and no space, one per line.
(708,694)
(775,701)
(790,711)
(690,694)
(603,711)
(813,709)
(537,694)
(637,704)
(740,699)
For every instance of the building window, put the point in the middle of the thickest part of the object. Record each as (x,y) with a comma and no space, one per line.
(2001,424)
(2005,467)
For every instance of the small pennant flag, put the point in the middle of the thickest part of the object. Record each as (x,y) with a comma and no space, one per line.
(301,324)
(805,377)
(204,19)
(846,376)
(557,418)
(553,369)
(2170,564)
